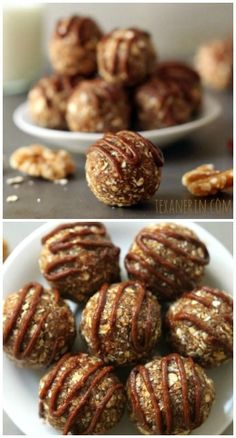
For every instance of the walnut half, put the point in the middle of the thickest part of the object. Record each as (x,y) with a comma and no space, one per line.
(206,181)
(40,161)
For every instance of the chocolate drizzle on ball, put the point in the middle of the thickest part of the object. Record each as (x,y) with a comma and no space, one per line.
(111,320)
(65,265)
(213,337)
(126,40)
(163,236)
(19,351)
(122,145)
(164,416)
(56,84)
(76,25)
(89,381)
(179,73)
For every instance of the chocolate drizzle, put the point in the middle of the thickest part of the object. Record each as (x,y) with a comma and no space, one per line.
(100,91)
(54,85)
(163,236)
(213,337)
(122,145)
(91,378)
(77,26)
(19,336)
(164,417)
(178,72)
(73,238)
(120,56)
(185,77)
(97,345)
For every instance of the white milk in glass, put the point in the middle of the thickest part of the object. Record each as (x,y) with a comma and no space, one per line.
(22,45)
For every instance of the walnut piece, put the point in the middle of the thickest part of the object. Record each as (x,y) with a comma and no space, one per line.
(40,161)
(206,181)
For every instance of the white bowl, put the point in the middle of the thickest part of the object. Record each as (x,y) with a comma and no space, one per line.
(78,142)
(20,386)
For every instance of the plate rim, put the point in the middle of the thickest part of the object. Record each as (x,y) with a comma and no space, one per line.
(38,232)
(38,131)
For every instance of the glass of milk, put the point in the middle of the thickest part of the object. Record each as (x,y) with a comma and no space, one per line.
(22,45)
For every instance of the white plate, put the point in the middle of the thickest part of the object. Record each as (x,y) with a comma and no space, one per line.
(20,386)
(78,142)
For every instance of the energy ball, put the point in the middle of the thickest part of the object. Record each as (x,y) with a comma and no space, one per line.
(126,56)
(77,258)
(121,323)
(168,258)
(96,106)
(169,396)
(81,396)
(214,62)
(48,101)
(123,169)
(38,326)
(73,46)
(201,326)
(160,104)
(187,79)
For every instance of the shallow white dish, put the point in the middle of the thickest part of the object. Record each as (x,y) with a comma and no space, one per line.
(20,386)
(78,142)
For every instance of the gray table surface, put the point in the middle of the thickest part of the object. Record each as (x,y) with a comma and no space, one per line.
(76,201)
(15,232)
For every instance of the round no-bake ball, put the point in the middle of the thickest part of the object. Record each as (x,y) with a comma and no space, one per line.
(126,56)
(81,396)
(187,79)
(214,62)
(200,325)
(73,46)
(121,323)
(96,106)
(38,326)
(169,258)
(169,396)
(161,103)
(77,258)
(123,169)
(48,100)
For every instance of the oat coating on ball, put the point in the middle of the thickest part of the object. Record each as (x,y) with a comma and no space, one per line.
(187,79)
(77,258)
(169,258)
(38,326)
(121,323)
(97,106)
(126,56)
(200,325)
(81,396)
(73,46)
(48,100)
(170,395)
(161,103)
(124,169)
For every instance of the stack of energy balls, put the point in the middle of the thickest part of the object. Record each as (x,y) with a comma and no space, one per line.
(122,324)
(111,82)
(114,84)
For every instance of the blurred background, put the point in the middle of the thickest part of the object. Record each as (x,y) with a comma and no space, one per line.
(177,29)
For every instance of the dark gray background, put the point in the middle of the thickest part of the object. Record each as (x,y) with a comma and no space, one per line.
(75,199)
